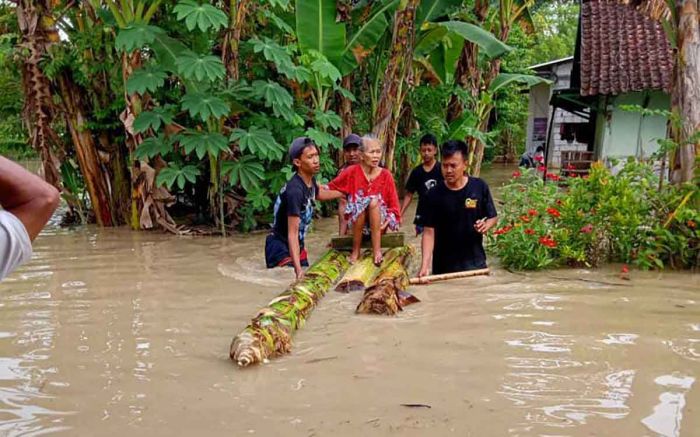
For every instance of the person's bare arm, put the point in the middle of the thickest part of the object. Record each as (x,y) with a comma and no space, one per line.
(483,226)
(293,242)
(325,194)
(427,246)
(27,196)
(407,198)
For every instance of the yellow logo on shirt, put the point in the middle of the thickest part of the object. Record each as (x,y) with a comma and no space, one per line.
(470,203)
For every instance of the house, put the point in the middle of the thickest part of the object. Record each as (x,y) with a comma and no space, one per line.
(621,58)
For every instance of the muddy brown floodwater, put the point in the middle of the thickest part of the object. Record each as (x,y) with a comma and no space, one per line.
(110,332)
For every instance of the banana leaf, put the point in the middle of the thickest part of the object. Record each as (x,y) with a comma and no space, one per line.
(387,292)
(269,334)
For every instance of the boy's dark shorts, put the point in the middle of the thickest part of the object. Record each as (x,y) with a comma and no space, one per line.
(277,253)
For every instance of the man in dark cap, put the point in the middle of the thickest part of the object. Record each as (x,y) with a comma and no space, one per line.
(351,155)
(351,150)
(294,209)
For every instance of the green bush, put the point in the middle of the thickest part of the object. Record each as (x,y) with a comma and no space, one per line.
(598,218)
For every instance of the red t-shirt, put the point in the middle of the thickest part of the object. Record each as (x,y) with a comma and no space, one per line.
(353,182)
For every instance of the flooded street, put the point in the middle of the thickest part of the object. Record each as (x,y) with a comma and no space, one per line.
(113,332)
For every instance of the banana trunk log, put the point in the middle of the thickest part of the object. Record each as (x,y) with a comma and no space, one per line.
(386,294)
(359,276)
(270,332)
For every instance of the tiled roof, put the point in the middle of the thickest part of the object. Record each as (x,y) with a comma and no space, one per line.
(622,50)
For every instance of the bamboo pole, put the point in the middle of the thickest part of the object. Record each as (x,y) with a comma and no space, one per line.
(424,280)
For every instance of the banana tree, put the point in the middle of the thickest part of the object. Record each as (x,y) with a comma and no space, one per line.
(478,80)
(38,33)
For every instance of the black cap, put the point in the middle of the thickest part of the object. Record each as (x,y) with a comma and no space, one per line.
(298,146)
(352,140)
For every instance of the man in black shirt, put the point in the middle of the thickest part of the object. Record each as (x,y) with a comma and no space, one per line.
(458,212)
(422,178)
(294,209)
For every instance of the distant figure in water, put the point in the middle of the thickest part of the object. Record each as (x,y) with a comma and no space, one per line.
(294,209)
(458,212)
(351,156)
(422,178)
(27,203)
(528,160)
(372,201)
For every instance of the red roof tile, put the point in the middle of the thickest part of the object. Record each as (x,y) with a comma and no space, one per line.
(622,50)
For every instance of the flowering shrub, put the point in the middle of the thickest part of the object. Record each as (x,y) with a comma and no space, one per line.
(598,218)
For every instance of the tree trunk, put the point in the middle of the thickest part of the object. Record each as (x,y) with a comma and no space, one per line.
(687,86)
(270,332)
(38,32)
(467,73)
(345,108)
(238,10)
(395,78)
(148,201)
(86,151)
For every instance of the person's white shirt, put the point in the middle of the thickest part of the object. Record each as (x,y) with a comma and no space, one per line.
(15,245)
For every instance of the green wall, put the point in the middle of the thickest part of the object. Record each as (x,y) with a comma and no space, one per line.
(620,134)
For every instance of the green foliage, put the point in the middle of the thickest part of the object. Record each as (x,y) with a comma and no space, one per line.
(204,106)
(428,10)
(259,142)
(272,52)
(246,171)
(146,79)
(366,37)
(152,119)
(154,146)
(278,98)
(317,28)
(505,79)
(136,36)
(203,143)
(200,67)
(599,218)
(203,16)
(175,174)
(491,46)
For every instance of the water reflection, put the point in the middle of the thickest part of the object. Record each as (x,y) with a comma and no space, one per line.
(668,413)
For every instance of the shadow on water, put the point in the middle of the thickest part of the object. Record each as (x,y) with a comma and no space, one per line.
(107,331)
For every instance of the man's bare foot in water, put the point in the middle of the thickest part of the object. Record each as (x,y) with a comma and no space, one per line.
(352,259)
(378,258)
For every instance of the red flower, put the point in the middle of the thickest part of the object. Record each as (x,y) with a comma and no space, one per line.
(625,269)
(552,176)
(541,168)
(503,230)
(553,212)
(516,174)
(530,231)
(539,158)
(570,167)
(587,229)
(525,218)
(546,241)
(532,212)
